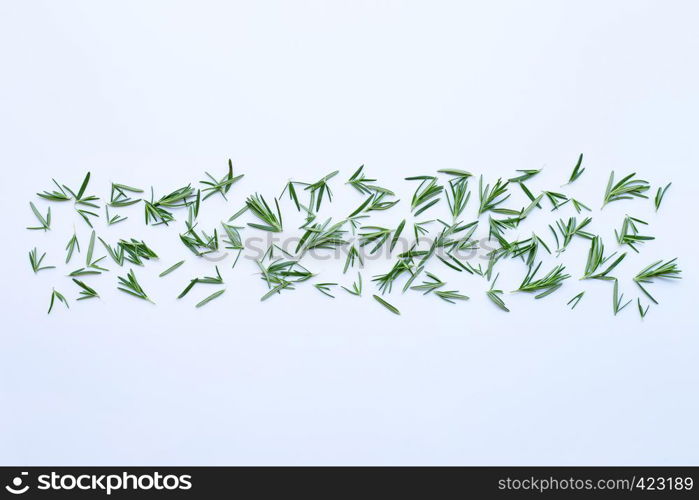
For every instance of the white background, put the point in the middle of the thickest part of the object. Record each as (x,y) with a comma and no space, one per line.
(155,93)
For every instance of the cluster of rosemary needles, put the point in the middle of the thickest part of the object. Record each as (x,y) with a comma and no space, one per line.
(435,244)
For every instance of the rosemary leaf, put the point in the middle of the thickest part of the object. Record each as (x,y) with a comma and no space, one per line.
(170,269)
(388,306)
(210,298)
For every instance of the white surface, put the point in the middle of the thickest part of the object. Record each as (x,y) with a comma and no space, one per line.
(155,93)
